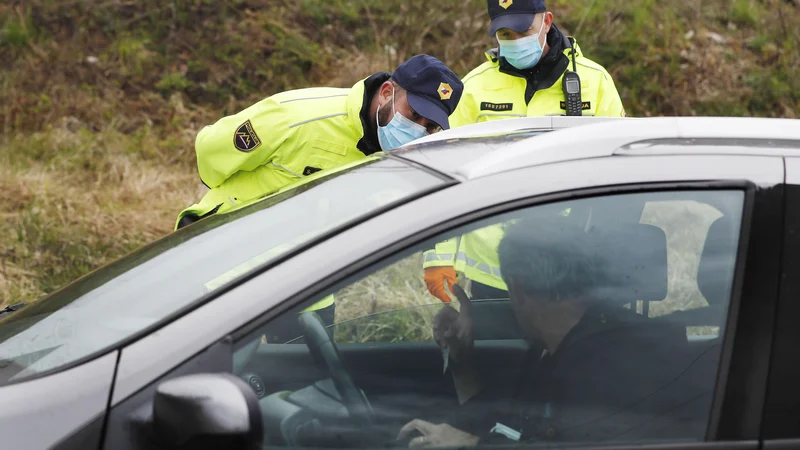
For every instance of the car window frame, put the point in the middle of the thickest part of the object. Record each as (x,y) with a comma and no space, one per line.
(781,413)
(741,391)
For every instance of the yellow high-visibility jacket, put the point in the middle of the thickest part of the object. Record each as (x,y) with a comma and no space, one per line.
(278,141)
(491,94)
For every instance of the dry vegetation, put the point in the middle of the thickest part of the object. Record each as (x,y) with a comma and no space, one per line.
(100,100)
(391,304)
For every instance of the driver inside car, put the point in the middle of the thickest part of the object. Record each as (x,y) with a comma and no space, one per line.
(594,371)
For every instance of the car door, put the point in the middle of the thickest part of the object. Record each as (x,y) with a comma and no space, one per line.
(735,394)
(781,426)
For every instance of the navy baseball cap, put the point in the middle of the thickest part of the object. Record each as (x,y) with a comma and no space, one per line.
(433,90)
(516,15)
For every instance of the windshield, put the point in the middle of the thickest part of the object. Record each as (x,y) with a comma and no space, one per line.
(119,300)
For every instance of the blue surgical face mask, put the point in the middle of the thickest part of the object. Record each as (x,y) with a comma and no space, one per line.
(399,131)
(522,53)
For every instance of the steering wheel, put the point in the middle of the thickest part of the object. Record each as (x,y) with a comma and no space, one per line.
(324,350)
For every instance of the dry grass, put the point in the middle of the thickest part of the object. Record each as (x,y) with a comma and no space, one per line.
(399,289)
(63,217)
(100,100)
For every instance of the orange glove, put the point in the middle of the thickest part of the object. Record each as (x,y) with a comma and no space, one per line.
(435,278)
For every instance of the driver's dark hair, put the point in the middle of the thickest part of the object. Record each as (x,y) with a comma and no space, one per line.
(545,255)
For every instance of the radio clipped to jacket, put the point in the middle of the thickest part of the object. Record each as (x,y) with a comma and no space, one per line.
(571,85)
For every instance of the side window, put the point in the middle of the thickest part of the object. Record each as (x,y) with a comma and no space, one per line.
(389,303)
(597,320)
(392,304)
(694,292)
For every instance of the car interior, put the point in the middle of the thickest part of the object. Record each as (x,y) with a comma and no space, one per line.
(317,393)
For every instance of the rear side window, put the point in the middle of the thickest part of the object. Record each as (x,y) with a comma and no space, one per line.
(598,320)
(700,264)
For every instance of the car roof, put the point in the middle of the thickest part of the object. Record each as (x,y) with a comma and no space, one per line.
(505,126)
(546,140)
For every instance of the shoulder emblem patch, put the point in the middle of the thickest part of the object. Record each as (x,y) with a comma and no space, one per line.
(245,139)
(506,3)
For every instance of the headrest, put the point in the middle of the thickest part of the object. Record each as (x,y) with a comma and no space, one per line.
(715,271)
(635,260)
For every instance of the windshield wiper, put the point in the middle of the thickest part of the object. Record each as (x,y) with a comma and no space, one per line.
(11,308)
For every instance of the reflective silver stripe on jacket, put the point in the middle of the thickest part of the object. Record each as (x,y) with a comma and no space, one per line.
(432,256)
(475,264)
(313,98)
(287,169)
(317,118)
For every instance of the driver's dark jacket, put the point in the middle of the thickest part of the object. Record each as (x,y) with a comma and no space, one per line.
(615,376)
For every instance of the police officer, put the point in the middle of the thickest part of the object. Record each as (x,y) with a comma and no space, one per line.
(289,135)
(293,134)
(523,77)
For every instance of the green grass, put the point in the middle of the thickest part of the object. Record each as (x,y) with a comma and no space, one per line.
(14,33)
(173,82)
(744,12)
(100,102)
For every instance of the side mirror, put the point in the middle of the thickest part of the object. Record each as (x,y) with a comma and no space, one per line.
(207,410)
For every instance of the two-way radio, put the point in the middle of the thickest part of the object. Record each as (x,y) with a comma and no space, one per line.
(571,85)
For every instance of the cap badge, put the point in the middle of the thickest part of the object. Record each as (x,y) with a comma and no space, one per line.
(506,3)
(445,91)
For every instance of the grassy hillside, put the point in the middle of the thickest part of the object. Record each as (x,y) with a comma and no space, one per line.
(100,100)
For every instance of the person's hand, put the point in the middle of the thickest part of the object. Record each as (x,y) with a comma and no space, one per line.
(454,329)
(435,278)
(442,435)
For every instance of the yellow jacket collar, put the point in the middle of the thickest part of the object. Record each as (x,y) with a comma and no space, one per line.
(355,101)
(358,104)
